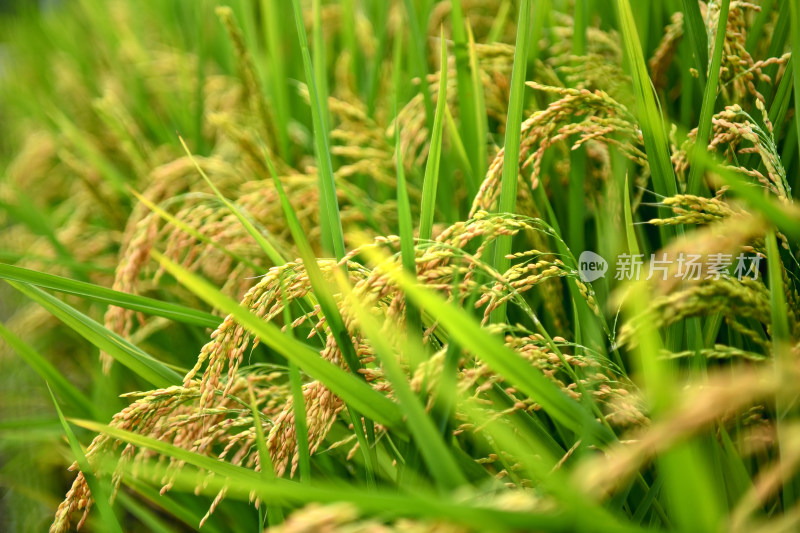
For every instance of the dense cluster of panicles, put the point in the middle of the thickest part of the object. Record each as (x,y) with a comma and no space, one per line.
(578,106)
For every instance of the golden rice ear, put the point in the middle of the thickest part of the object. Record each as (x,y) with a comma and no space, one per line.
(664,54)
(591,116)
(699,407)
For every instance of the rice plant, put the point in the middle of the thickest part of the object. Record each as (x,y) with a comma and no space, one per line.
(408,265)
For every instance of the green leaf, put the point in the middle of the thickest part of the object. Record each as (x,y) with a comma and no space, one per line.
(273,33)
(696,30)
(97,293)
(48,372)
(330,311)
(630,233)
(298,401)
(97,489)
(795,47)
(481,118)
(709,99)
(347,386)
(465,330)
(431,179)
(418,57)
(169,504)
(653,130)
(240,482)
(408,253)
(330,219)
(269,248)
(440,462)
(466,99)
(508,185)
(264,458)
(130,356)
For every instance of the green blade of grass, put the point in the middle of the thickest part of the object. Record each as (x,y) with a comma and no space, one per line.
(780,104)
(755,33)
(110,522)
(630,231)
(577,168)
(465,329)
(273,33)
(351,43)
(795,37)
(150,306)
(782,355)
(779,34)
(709,99)
(148,518)
(481,118)
(687,477)
(275,514)
(431,179)
(434,450)
(347,386)
(319,62)
(49,373)
(696,30)
(331,222)
(7,256)
(332,315)
(418,58)
(508,184)
(466,94)
(499,21)
(240,482)
(301,425)
(408,253)
(458,146)
(298,401)
(169,504)
(541,466)
(653,131)
(269,248)
(380,19)
(130,356)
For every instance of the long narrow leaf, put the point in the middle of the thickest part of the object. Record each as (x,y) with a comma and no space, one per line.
(440,462)
(110,522)
(696,30)
(240,482)
(47,372)
(431,180)
(508,185)
(130,356)
(653,130)
(795,24)
(467,331)
(330,219)
(709,98)
(347,386)
(269,248)
(97,293)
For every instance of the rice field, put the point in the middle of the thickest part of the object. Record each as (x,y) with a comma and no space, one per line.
(371,266)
